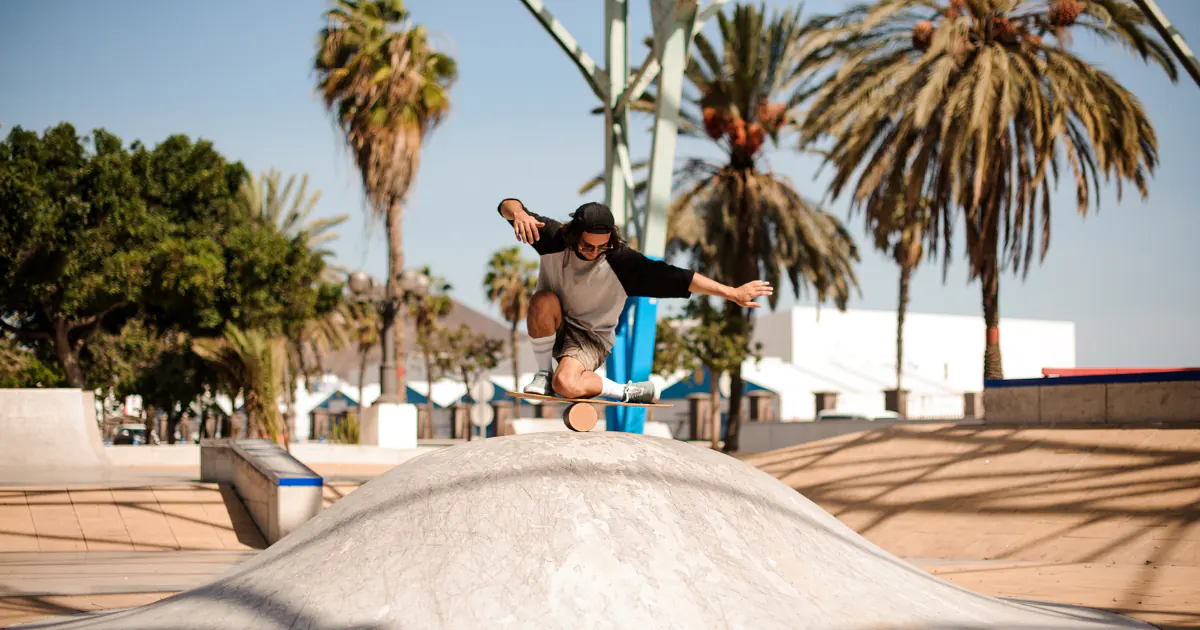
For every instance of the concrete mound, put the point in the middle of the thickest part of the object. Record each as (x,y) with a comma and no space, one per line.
(565,530)
(49,432)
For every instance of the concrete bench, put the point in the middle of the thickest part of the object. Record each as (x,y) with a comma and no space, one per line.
(279,492)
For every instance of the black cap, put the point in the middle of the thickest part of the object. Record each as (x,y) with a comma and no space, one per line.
(595,218)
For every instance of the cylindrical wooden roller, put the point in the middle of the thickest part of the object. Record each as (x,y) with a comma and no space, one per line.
(580,417)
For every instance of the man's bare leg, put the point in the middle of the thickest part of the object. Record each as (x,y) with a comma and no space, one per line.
(543,320)
(572,380)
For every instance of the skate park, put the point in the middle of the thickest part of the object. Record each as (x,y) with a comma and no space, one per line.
(1035,523)
(1056,496)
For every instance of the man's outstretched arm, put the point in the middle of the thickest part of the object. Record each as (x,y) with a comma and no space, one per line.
(642,276)
(742,296)
(530,228)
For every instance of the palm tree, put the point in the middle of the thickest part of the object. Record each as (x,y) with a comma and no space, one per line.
(387,90)
(736,218)
(900,234)
(289,212)
(426,310)
(969,103)
(252,362)
(510,282)
(365,338)
(287,209)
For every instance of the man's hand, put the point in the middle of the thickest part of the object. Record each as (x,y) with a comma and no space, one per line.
(743,296)
(747,293)
(526,227)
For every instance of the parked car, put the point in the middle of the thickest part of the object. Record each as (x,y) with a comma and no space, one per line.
(130,434)
(877,416)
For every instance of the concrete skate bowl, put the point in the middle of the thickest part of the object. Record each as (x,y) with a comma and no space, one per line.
(49,431)
(564,530)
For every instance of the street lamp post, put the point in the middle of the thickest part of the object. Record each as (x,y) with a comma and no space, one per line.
(366,289)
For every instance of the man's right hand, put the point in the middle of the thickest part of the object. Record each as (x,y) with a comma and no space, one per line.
(526,227)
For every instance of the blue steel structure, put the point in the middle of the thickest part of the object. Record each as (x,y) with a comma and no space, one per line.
(674,23)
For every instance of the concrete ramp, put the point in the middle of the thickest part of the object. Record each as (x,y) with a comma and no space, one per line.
(588,530)
(50,429)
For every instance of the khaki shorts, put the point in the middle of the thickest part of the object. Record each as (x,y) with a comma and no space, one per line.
(580,345)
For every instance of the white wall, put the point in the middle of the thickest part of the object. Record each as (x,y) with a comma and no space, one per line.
(946,349)
(854,353)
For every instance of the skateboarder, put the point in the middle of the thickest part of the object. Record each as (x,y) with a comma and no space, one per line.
(586,273)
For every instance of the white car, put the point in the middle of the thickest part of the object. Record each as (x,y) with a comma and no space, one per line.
(877,416)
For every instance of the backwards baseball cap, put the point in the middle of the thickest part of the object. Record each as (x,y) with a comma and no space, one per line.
(595,218)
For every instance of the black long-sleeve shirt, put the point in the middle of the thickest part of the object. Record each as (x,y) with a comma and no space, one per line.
(593,292)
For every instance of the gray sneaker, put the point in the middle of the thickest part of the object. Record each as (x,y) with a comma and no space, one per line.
(644,392)
(540,385)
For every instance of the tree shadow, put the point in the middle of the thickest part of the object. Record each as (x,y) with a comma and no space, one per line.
(1081,494)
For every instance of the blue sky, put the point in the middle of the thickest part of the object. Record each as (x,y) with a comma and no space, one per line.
(238,73)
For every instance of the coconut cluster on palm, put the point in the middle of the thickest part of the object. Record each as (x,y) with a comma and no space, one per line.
(975,23)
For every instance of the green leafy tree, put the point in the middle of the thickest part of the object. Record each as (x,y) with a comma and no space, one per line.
(114,260)
(735,218)
(471,355)
(387,89)
(76,241)
(695,340)
(510,282)
(974,105)
(21,367)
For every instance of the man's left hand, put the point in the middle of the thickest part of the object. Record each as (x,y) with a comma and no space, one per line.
(747,293)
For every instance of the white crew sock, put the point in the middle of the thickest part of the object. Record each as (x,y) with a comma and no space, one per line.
(543,351)
(612,389)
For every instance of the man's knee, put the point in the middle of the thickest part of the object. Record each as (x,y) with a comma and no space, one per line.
(545,313)
(568,384)
(544,301)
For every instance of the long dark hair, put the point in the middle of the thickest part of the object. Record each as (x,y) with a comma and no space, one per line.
(573,232)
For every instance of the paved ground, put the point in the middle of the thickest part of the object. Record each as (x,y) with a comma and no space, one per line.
(1100,518)
(1108,518)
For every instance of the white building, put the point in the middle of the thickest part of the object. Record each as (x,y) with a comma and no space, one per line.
(853,353)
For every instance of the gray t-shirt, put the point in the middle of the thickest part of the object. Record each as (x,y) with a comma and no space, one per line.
(593,292)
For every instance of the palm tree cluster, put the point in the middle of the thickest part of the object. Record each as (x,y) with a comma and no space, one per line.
(930,112)
(263,366)
(967,110)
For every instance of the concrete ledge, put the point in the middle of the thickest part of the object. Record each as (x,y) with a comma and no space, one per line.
(759,437)
(1109,399)
(279,492)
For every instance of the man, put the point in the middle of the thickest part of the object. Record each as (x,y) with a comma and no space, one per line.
(586,273)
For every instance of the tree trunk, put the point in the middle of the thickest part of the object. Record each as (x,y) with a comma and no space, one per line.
(470,427)
(362,376)
(714,408)
(149,423)
(737,321)
(68,356)
(172,425)
(512,342)
(901,310)
(427,424)
(395,236)
(992,364)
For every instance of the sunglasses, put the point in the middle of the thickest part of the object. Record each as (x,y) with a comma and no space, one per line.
(587,249)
